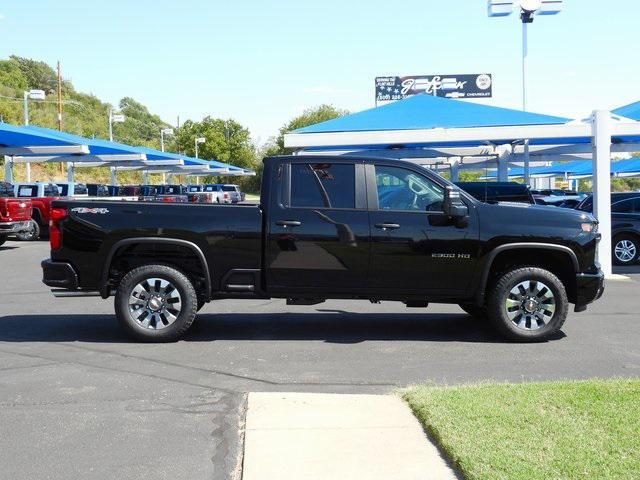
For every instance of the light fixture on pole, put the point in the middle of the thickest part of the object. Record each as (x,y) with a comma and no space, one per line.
(114,118)
(34,95)
(198,141)
(528,8)
(163,132)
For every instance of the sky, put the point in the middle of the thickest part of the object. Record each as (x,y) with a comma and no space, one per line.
(263,62)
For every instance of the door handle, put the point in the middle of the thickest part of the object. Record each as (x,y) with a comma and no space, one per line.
(387,226)
(288,223)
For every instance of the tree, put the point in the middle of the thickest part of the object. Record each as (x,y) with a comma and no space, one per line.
(226,141)
(310,116)
(38,74)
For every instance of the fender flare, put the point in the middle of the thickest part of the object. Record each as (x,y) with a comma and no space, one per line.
(515,246)
(167,241)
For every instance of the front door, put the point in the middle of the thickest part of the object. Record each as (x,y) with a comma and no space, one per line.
(318,233)
(415,248)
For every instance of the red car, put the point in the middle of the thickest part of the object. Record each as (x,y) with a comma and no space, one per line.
(41,195)
(15,213)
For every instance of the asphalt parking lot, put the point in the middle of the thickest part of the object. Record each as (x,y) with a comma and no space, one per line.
(79,400)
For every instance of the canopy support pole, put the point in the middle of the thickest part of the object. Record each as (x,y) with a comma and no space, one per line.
(114,177)
(601,144)
(454,163)
(8,169)
(504,155)
(70,172)
(527,177)
(145,177)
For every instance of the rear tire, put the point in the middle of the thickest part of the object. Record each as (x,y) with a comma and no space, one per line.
(2,240)
(156,303)
(625,249)
(528,304)
(32,233)
(474,310)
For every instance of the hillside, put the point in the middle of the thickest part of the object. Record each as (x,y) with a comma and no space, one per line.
(85,114)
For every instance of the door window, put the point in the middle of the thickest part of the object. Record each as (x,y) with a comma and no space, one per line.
(402,189)
(321,185)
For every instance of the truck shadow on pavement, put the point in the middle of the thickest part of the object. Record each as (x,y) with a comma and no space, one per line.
(331,326)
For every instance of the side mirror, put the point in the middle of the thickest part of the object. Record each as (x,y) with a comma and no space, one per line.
(452,205)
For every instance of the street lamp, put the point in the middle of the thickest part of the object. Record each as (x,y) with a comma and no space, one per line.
(163,132)
(114,118)
(528,8)
(34,95)
(199,140)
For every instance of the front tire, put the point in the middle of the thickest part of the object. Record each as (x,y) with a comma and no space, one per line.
(528,304)
(2,240)
(626,249)
(31,233)
(156,303)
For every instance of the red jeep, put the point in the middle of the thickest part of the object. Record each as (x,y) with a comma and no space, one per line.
(41,195)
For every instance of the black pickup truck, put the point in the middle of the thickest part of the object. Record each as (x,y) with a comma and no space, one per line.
(327,228)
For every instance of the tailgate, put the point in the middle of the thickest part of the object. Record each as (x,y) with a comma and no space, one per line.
(15,209)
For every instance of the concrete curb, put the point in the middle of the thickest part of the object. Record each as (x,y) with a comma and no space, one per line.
(322,436)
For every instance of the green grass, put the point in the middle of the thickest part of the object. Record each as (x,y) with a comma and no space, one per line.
(557,430)
(252,197)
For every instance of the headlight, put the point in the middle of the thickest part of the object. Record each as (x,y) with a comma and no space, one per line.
(589,227)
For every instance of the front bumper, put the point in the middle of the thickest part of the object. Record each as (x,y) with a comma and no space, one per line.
(589,288)
(59,274)
(8,228)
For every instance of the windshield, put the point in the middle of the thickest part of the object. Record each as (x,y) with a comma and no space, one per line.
(6,189)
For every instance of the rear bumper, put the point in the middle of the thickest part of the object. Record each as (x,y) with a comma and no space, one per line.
(589,288)
(7,228)
(59,275)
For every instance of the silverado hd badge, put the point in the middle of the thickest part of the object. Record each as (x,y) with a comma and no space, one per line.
(465,256)
(102,211)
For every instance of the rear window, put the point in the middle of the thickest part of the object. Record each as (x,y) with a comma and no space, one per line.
(323,185)
(51,190)
(27,191)
(64,189)
(228,188)
(489,193)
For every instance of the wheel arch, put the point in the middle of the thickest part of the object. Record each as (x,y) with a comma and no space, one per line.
(127,242)
(565,252)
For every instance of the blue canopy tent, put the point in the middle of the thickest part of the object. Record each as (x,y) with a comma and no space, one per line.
(426,127)
(631,111)
(556,169)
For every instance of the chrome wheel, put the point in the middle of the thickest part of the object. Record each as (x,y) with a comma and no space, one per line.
(625,251)
(155,303)
(530,305)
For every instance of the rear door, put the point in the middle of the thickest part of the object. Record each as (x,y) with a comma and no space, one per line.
(318,231)
(415,248)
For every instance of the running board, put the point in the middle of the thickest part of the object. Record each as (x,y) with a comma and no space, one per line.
(74,293)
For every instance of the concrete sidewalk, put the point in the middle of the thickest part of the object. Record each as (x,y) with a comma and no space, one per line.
(332,436)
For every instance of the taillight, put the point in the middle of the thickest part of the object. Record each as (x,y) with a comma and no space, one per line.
(55,235)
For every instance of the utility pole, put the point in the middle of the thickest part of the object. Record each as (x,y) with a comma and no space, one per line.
(60,108)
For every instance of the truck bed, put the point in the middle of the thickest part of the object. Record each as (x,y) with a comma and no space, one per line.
(229,236)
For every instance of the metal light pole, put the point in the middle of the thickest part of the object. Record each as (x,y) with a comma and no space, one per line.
(35,95)
(528,8)
(199,140)
(118,118)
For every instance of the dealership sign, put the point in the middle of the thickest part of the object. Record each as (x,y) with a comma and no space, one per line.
(451,86)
